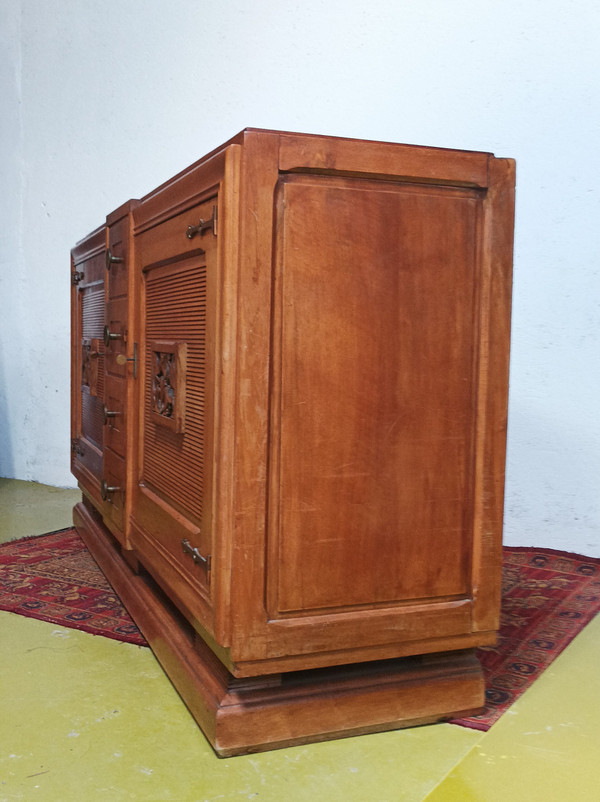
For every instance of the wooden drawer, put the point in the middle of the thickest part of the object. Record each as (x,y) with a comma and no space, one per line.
(115,415)
(182,235)
(117,262)
(113,475)
(170,548)
(115,353)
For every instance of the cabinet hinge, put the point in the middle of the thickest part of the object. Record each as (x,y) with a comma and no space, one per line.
(76,447)
(77,276)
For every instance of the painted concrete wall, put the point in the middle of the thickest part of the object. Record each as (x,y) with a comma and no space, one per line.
(12,296)
(106,100)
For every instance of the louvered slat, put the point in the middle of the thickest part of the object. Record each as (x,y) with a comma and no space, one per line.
(176,311)
(92,325)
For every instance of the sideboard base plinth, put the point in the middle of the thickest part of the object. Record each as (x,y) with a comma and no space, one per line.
(240,716)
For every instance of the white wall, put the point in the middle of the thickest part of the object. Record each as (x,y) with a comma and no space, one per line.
(12,295)
(105,100)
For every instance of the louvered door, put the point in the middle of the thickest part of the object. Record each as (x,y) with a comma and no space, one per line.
(87,369)
(172,518)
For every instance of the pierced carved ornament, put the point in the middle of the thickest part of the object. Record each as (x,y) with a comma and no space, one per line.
(168,365)
(164,380)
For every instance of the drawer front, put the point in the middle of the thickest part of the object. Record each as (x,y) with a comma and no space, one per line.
(117,261)
(184,234)
(113,491)
(115,338)
(115,415)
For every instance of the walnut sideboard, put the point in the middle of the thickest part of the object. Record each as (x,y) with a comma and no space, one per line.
(289,393)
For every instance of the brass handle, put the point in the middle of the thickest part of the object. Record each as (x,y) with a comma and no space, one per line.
(106,490)
(112,260)
(203,225)
(109,335)
(109,413)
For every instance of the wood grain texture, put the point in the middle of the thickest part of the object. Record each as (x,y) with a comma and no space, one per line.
(174,465)
(407,163)
(375,418)
(309,450)
(239,717)
(494,323)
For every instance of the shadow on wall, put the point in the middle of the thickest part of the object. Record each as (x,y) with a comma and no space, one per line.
(6,448)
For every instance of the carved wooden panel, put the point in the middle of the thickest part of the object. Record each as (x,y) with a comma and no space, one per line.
(168,361)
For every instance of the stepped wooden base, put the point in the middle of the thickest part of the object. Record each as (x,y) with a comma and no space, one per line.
(251,715)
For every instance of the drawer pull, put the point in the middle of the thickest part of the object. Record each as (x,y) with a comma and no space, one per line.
(106,490)
(112,260)
(195,554)
(203,225)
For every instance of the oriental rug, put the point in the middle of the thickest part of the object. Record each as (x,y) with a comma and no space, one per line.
(54,578)
(547,598)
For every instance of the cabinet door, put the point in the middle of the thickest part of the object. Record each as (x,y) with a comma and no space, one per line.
(87,370)
(172,505)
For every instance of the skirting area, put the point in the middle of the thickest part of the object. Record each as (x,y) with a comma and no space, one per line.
(239,716)
(91,716)
(548,597)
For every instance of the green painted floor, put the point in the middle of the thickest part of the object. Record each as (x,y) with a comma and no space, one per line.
(28,508)
(88,718)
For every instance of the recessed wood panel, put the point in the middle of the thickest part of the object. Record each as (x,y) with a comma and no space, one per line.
(372,419)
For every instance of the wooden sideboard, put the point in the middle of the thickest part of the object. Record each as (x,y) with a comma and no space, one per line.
(289,392)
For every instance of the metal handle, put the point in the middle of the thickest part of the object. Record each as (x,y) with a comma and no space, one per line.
(106,490)
(203,225)
(109,413)
(112,260)
(195,554)
(109,335)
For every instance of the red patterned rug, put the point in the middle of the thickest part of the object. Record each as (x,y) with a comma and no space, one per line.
(547,599)
(54,578)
